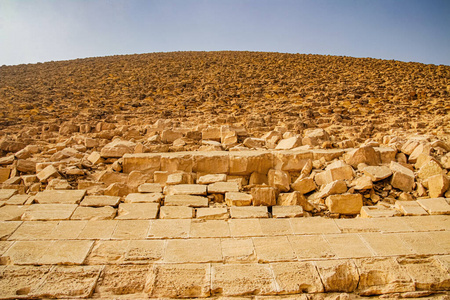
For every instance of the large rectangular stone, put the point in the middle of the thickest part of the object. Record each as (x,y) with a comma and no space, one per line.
(34,230)
(5,194)
(123,280)
(247,162)
(272,227)
(7,228)
(193,251)
(435,206)
(270,249)
(386,244)
(60,196)
(107,252)
(311,246)
(214,162)
(315,225)
(137,211)
(99,230)
(19,281)
(238,250)
(170,228)
(422,243)
(185,189)
(47,212)
(348,245)
(177,161)
(291,161)
(147,162)
(246,212)
(93,213)
(297,277)
(12,212)
(66,230)
(410,208)
(186,200)
(245,227)
(144,251)
(209,229)
(223,187)
(131,229)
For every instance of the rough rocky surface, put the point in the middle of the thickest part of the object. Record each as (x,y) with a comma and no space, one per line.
(225,175)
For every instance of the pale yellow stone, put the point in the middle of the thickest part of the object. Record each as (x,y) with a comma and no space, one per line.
(238,250)
(304,185)
(12,212)
(316,225)
(101,229)
(144,251)
(344,203)
(131,229)
(43,212)
(271,249)
(193,251)
(265,196)
(97,201)
(388,244)
(144,198)
(34,230)
(176,212)
(212,213)
(223,187)
(310,246)
(377,212)
(209,229)
(94,213)
(297,277)
(123,280)
(402,178)
(430,169)
(186,200)
(435,206)
(245,212)
(170,228)
(291,211)
(137,211)
(5,194)
(279,179)
(245,227)
(438,185)
(60,197)
(410,208)
(348,245)
(185,189)
(150,188)
(238,199)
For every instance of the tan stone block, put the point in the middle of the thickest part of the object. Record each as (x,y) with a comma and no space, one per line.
(242,279)
(427,273)
(143,252)
(289,199)
(245,227)
(98,201)
(48,172)
(144,198)
(185,189)
(60,196)
(344,203)
(63,252)
(438,185)
(245,212)
(18,281)
(402,178)
(65,230)
(47,212)
(150,188)
(310,246)
(107,252)
(377,212)
(99,230)
(332,188)
(258,179)
(362,183)
(338,275)
(442,239)
(12,212)
(297,277)
(68,281)
(186,200)
(348,245)
(421,243)
(117,148)
(179,178)
(247,162)
(176,212)
(212,178)
(17,200)
(187,280)
(34,230)
(429,169)
(238,199)
(357,225)
(289,143)
(366,155)
(387,154)
(435,206)
(410,208)
(4,174)
(291,160)
(131,229)
(304,185)
(170,228)
(270,249)
(213,213)
(216,162)
(386,244)
(25,252)
(94,213)
(291,211)
(382,276)
(279,179)
(209,228)
(146,162)
(223,187)
(430,223)
(137,211)
(238,250)
(123,280)
(4,245)
(193,251)
(265,196)
(315,225)
(5,194)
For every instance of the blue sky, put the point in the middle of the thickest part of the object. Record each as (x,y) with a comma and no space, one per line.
(42,30)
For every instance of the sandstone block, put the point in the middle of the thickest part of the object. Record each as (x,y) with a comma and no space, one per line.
(387,154)
(273,248)
(177,162)
(430,169)
(211,133)
(93,213)
(193,251)
(169,136)
(265,196)
(247,162)
(60,196)
(338,275)
(150,188)
(176,212)
(144,198)
(146,162)
(95,158)
(238,199)
(377,173)
(347,204)
(17,200)
(137,211)
(258,179)
(332,188)
(223,187)
(237,250)
(362,183)
(169,229)
(427,273)
(297,277)
(279,179)
(98,201)
(377,212)
(245,212)
(289,143)
(186,200)
(292,211)
(410,208)
(19,281)
(212,163)
(12,212)
(212,178)
(304,185)
(435,206)
(402,178)
(47,212)
(117,148)
(48,172)
(291,160)
(131,230)
(123,280)
(185,189)
(420,149)
(366,155)
(213,213)
(438,185)
(5,194)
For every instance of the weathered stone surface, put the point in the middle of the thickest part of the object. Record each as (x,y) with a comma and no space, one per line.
(7,228)
(193,251)
(242,279)
(245,227)
(144,198)
(438,185)
(245,212)
(377,173)
(247,162)
(377,212)
(382,276)
(426,273)
(43,212)
(98,230)
(297,277)
(35,231)
(137,211)
(435,206)
(117,148)
(209,229)
(315,137)
(347,204)
(366,155)
(291,211)
(238,199)
(410,208)
(123,280)
(386,244)
(94,213)
(362,183)
(294,198)
(304,185)
(19,281)
(12,212)
(289,143)
(176,228)
(186,280)
(185,189)
(211,163)
(186,200)
(98,201)
(280,180)
(223,187)
(131,229)
(335,171)
(176,212)
(17,200)
(338,275)
(147,162)
(60,197)
(213,213)
(291,160)
(238,250)
(316,225)
(5,194)
(47,173)
(430,169)
(4,174)
(265,196)
(402,178)
(212,178)
(150,188)
(271,249)
(143,252)
(348,245)
(332,188)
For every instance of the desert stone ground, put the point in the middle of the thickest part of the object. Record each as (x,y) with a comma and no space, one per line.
(225,175)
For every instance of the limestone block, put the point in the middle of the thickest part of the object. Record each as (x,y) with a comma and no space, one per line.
(247,162)
(150,188)
(304,185)
(254,143)
(297,277)
(265,196)
(242,279)
(109,178)
(137,178)
(245,212)
(193,251)
(186,200)
(273,249)
(365,154)
(48,172)
(26,166)
(60,196)
(169,136)
(430,169)
(409,146)
(98,201)
(12,212)
(291,160)
(146,162)
(438,185)
(223,187)
(213,213)
(46,212)
(258,178)
(382,276)
(427,273)
(347,204)
(176,212)
(7,228)
(17,200)
(387,154)
(5,194)
(201,228)
(211,133)
(131,229)
(435,206)
(279,179)
(137,211)
(94,213)
(215,162)
(338,275)
(377,212)
(291,211)
(402,178)
(315,137)
(295,198)
(142,252)
(144,198)
(123,280)
(343,172)
(362,183)
(212,178)
(19,281)
(420,149)
(7,160)
(238,199)
(169,229)
(185,189)
(332,188)
(4,174)
(410,208)
(95,158)
(289,143)
(238,250)
(377,173)
(117,148)
(174,281)
(177,161)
